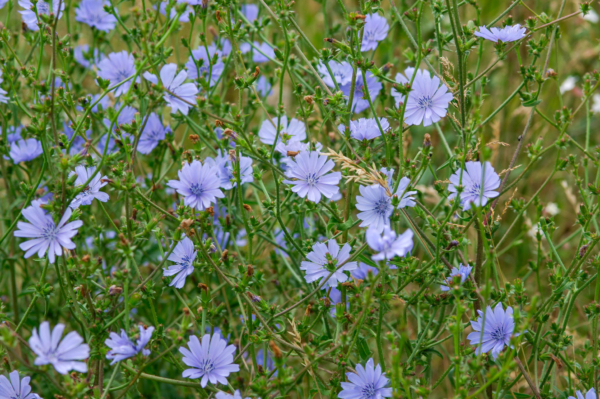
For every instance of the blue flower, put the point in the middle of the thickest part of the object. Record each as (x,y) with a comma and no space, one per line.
(295,130)
(492,331)
(16,388)
(199,184)
(46,235)
(359,103)
(13,133)
(153,133)
(367,383)
(428,99)
(375,30)
(184,17)
(62,355)
(224,395)
(389,244)
(363,270)
(342,73)
(91,12)
(92,190)
(3,98)
(309,177)
(122,348)
(125,116)
(326,258)
(225,165)
(505,35)
(366,128)
(116,68)
(183,255)
(87,58)
(462,271)
(375,206)
(199,64)
(261,52)
(42,7)
(478,185)
(25,150)
(591,394)
(263,86)
(179,96)
(250,11)
(211,360)
(3,3)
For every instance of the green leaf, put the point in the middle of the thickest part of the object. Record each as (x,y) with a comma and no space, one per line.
(531,103)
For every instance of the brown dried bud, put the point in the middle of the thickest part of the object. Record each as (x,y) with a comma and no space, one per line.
(211,211)
(256,72)
(360,16)
(247,207)
(186,311)
(550,73)
(292,153)
(85,259)
(307,311)
(114,290)
(203,286)
(309,99)
(583,250)
(134,214)
(250,271)
(427,140)
(123,239)
(194,138)
(219,123)
(225,255)
(275,349)
(186,224)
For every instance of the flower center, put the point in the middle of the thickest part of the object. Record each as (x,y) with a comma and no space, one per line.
(49,231)
(499,334)
(312,179)
(475,189)
(369,35)
(197,189)
(381,206)
(368,391)
(206,366)
(425,102)
(122,75)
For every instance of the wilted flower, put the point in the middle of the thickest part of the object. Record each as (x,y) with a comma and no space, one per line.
(462,271)
(309,177)
(25,150)
(505,35)
(122,348)
(368,382)
(91,12)
(375,30)
(45,234)
(478,184)
(326,258)
(116,68)
(16,388)
(62,355)
(295,130)
(199,184)
(183,255)
(493,330)
(388,244)
(211,360)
